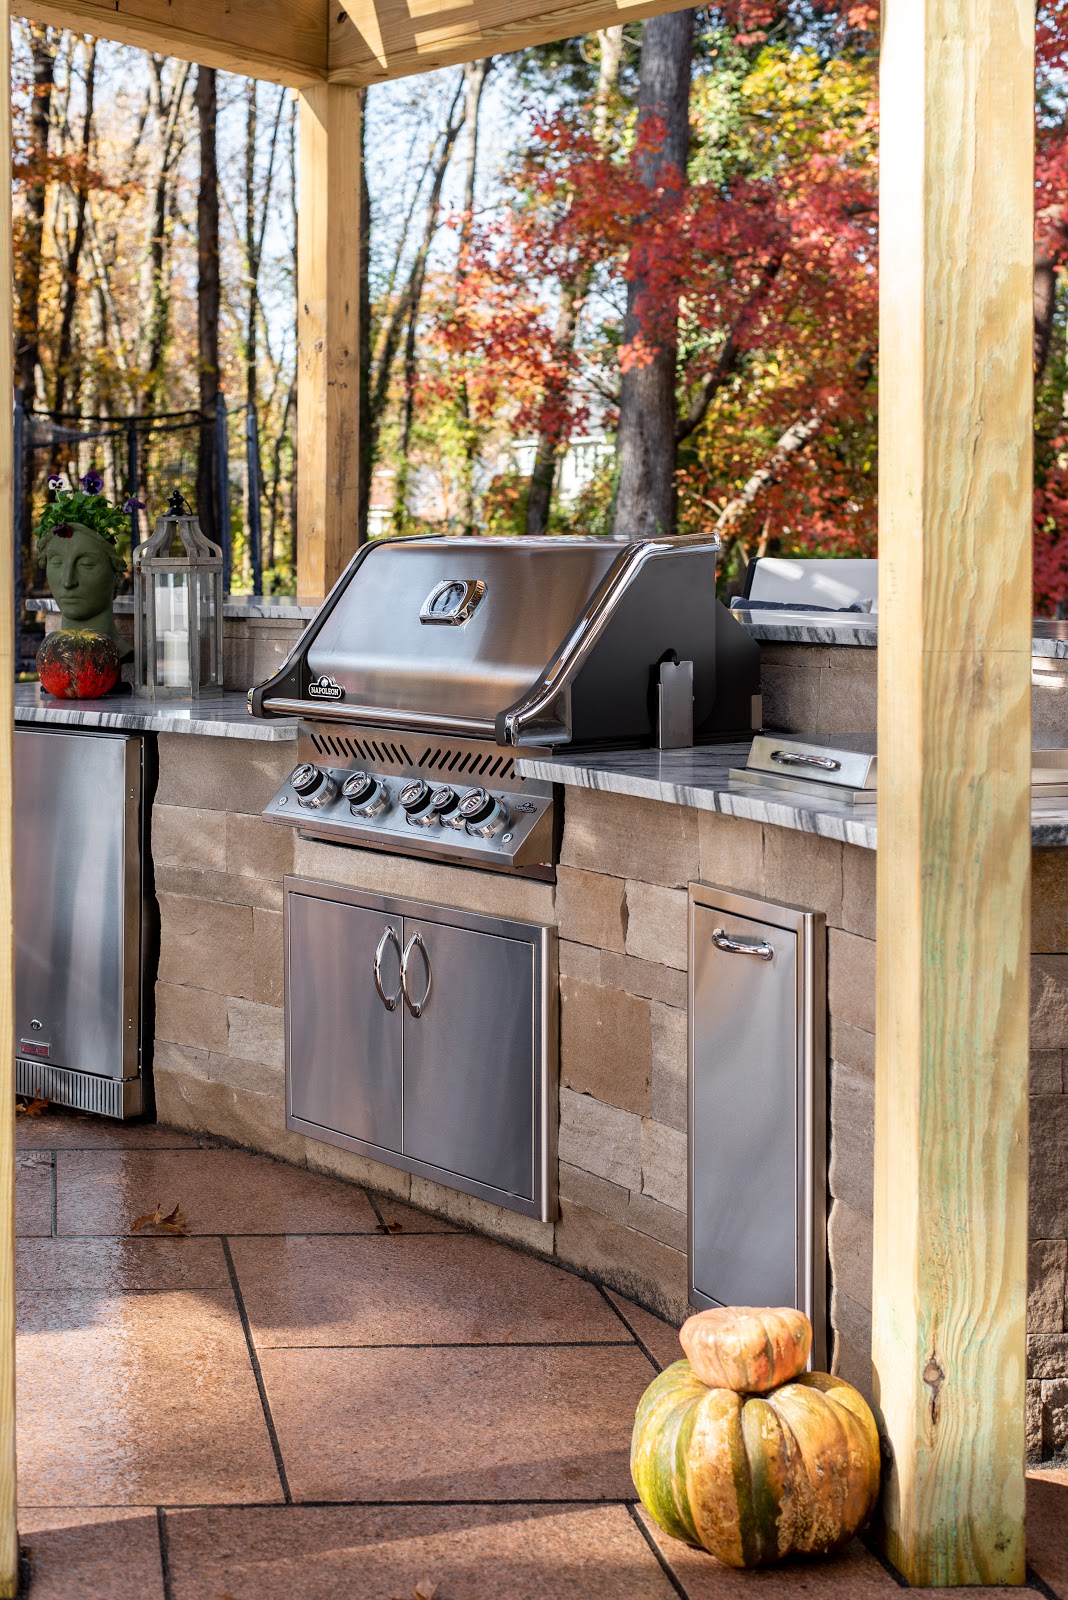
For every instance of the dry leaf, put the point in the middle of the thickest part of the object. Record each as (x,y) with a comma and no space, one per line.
(174,1222)
(32,1108)
(425,1589)
(390,1227)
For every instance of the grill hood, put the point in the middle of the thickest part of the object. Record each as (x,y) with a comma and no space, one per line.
(525,641)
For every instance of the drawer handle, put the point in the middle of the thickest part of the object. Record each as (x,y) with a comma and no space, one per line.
(742,947)
(416,1007)
(390,1001)
(790,758)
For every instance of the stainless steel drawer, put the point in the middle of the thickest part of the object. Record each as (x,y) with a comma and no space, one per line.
(757,1140)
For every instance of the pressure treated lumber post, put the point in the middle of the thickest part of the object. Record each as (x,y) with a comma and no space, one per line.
(9,1545)
(950,1262)
(328,383)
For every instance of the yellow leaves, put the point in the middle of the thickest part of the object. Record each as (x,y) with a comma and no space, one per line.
(31,1108)
(174,1222)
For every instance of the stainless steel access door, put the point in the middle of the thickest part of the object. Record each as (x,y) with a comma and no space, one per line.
(78,908)
(469,1055)
(757,1104)
(344,1041)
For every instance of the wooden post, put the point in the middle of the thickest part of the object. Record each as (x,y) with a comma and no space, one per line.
(950,1262)
(328,380)
(9,1543)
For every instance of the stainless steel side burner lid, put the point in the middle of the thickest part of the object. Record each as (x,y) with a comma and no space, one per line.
(842,767)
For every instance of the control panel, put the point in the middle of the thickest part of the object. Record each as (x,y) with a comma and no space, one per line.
(505,829)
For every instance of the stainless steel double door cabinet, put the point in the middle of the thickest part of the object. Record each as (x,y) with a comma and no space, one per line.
(757,1153)
(423,1036)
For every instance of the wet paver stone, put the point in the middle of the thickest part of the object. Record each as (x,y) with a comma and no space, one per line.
(294,1400)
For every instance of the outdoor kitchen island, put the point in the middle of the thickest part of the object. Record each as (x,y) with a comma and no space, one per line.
(638,828)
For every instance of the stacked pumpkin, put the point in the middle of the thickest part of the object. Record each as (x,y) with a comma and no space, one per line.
(742,1451)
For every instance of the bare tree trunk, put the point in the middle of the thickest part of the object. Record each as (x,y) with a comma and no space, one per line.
(208,297)
(66,376)
(474,82)
(572,298)
(43,45)
(645,502)
(168,109)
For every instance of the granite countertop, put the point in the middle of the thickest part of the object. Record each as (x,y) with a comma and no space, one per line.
(253,607)
(699,778)
(801,627)
(223,716)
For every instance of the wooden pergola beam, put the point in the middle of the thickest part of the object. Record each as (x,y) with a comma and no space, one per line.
(953,923)
(283,43)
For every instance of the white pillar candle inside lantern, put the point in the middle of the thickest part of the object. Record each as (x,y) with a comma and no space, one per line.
(178,609)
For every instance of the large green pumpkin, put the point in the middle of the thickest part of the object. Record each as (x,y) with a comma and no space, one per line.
(755,1478)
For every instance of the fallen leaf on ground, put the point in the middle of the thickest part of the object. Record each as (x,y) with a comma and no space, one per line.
(174,1222)
(425,1589)
(32,1108)
(392,1227)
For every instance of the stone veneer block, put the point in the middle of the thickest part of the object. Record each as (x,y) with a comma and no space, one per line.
(220,774)
(463,887)
(600,1139)
(851,1174)
(1049,901)
(636,1211)
(1047,1071)
(1053,1413)
(858,890)
(1047,1355)
(216,1066)
(1049,1167)
(189,836)
(613,971)
(638,1266)
(851,1353)
(848,692)
(670,1066)
(732,852)
(853,1047)
(664,1164)
(268,984)
(851,978)
(849,1249)
(201,1105)
(791,695)
(257,1032)
(338,1162)
(606,1045)
(644,839)
(225,887)
(1033,1442)
(258,849)
(658,924)
(804,870)
(490,1219)
(1047,1284)
(591,908)
(1049,1002)
(185,1015)
(206,944)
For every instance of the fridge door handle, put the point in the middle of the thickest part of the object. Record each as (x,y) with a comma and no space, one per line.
(416,1007)
(390,1001)
(742,947)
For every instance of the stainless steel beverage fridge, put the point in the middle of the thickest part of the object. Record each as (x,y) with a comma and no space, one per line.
(83,918)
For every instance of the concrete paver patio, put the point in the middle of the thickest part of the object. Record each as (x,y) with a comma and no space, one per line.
(324,1393)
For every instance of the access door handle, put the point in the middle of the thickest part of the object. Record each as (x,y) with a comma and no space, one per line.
(390,1001)
(416,1007)
(742,947)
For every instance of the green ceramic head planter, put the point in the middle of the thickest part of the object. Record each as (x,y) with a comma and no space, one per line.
(78,546)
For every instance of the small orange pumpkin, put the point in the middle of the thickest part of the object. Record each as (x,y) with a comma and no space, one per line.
(748,1349)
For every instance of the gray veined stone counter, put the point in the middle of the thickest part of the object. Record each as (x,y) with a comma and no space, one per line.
(224,716)
(699,778)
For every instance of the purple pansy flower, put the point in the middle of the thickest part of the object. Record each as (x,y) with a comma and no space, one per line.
(92,483)
(55,480)
(132,505)
(63,530)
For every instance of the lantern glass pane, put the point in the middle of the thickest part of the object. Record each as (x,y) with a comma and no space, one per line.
(209,665)
(171,598)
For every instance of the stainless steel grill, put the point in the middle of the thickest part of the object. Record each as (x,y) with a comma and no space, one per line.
(434,663)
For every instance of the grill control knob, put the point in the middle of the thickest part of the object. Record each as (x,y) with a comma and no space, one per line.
(415,798)
(483,815)
(446,806)
(366,794)
(313,787)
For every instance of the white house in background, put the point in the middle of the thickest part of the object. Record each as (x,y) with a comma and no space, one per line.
(579,466)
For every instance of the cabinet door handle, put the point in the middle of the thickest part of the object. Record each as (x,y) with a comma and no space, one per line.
(792,758)
(390,1001)
(416,1007)
(742,947)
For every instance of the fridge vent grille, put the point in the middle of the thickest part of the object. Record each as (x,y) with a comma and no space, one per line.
(106,1096)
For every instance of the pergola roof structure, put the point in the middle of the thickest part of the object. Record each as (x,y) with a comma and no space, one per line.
(949,1286)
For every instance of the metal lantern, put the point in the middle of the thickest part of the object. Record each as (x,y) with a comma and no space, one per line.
(178,599)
